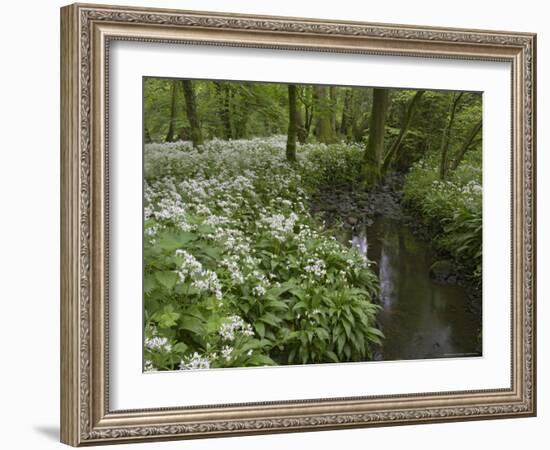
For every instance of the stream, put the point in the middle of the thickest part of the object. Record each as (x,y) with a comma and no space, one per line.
(420,318)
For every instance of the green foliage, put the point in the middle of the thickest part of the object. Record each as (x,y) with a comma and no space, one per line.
(452,208)
(329,165)
(237,273)
(251,109)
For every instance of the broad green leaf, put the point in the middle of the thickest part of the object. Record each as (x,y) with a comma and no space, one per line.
(260,329)
(270,319)
(192,324)
(180,347)
(167,278)
(149,283)
(174,241)
(167,317)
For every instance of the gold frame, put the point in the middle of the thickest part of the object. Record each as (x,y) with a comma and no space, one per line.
(86,31)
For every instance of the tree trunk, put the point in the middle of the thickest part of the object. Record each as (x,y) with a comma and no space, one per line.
(323,130)
(346,128)
(333,100)
(191,109)
(292,124)
(171,125)
(446,139)
(360,127)
(239,112)
(393,152)
(224,108)
(374,151)
(466,144)
(300,117)
(308,106)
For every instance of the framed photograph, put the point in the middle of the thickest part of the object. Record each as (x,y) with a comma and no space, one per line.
(275,224)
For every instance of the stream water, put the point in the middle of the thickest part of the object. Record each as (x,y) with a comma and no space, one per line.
(420,318)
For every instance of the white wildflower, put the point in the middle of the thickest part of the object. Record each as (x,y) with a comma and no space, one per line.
(226,352)
(234,326)
(148,366)
(316,267)
(189,266)
(195,361)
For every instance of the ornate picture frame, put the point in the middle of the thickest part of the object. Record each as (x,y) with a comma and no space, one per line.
(87,32)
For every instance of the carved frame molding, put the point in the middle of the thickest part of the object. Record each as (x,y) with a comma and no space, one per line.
(86,31)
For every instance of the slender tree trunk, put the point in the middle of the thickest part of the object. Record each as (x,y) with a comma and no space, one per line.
(333,100)
(393,152)
(239,113)
(374,151)
(171,124)
(466,144)
(292,124)
(224,108)
(308,108)
(323,131)
(191,109)
(300,116)
(446,139)
(346,128)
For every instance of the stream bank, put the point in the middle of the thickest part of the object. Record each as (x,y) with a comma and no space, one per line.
(429,309)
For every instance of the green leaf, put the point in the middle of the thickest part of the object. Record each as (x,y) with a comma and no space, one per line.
(322,333)
(213,324)
(340,343)
(270,319)
(277,304)
(192,324)
(167,278)
(292,355)
(376,331)
(347,327)
(260,329)
(255,344)
(277,291)
(149,283)
(167,317)
(180,347)
(300,293)
(205,229)
(212,252)
(299,306)
(172,241)
(261,360)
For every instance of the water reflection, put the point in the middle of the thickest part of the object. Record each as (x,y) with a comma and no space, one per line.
(421,319)
(359,241)
(387,288)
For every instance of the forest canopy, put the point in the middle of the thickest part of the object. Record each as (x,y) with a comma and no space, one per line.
(398,126)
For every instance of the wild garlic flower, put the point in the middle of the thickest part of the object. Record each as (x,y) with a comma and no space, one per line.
(259,291)
(148,366)
(189,266)
(195,361)
(279,225)
(208,281)
(316,267)
(158,343)
(226,352)
(232,265)
(235,325)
